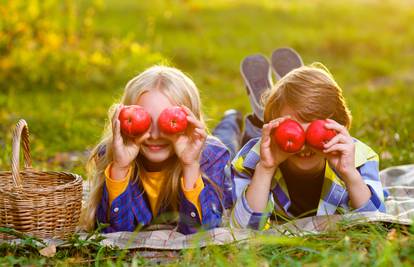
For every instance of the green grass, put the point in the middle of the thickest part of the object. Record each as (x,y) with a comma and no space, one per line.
(368,245)
(367,45)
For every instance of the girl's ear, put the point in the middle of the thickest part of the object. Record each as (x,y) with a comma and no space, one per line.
(319,65)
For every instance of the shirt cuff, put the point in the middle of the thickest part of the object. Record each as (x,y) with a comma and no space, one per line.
(242,216)
(116,187)
(373,204)
(192,195)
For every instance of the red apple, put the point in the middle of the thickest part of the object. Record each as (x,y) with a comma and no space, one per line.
(134,120)
(289,136)
(317,135)
(172,120)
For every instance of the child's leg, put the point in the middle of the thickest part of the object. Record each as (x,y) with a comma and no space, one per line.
(252,128)
(284,60)
(228,130)
(255,71)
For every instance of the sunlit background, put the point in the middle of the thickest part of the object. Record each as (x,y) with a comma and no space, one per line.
(64,63)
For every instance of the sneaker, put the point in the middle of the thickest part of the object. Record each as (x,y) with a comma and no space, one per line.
(284,60)
(255,70)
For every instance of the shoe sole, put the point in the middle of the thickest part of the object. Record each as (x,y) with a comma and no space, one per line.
(285,60)
(256,73)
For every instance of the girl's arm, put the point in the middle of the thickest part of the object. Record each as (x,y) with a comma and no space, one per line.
(215,157)
(122,210)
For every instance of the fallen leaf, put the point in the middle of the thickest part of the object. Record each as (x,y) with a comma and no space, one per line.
(48,251)
(392,235)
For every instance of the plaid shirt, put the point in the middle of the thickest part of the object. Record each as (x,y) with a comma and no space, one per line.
(334,197)
(132,208)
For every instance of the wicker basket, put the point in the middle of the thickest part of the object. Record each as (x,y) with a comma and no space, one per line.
(44,204)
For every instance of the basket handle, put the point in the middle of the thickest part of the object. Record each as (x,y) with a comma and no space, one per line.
(20,133)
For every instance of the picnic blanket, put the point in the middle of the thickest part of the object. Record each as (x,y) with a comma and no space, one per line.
(399,204)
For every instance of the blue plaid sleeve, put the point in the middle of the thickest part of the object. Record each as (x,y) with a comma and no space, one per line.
(215,157)
(127,211)
(242,167)
(370,174)
(243,216)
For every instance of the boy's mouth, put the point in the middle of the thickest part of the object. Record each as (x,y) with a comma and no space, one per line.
(305,154)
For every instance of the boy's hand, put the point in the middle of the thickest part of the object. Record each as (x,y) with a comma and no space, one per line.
(340,150)
(124,149)
(271,156)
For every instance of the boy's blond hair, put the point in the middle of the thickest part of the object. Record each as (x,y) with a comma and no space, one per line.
(312,93)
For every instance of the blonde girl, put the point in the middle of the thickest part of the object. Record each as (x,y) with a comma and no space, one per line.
(157,177)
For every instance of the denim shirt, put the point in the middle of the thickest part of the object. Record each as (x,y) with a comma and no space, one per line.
(132,209)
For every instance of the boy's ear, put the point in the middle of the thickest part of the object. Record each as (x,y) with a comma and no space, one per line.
(319,65)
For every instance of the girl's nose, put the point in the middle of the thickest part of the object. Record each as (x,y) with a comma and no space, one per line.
(154,131)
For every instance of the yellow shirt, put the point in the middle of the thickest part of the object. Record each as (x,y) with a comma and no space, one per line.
(152,183)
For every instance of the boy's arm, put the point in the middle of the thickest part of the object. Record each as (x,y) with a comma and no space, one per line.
(357,165)
(369,173)
(358,191)
(257,193)
(243,216)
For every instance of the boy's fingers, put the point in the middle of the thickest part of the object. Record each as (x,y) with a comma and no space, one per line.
(339,138)
(333,125)
(336,147)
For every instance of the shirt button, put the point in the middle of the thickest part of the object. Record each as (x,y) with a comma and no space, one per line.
(192,214)
(116,209)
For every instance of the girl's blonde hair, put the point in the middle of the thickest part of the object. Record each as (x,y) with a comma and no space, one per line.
(312,93)
(181,90)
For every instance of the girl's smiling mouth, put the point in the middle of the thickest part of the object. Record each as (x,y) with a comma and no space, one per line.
(155,147)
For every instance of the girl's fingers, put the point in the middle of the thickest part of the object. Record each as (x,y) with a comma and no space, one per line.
(195,122)
(116,115)
(200,132)
(117,130)
(188,111)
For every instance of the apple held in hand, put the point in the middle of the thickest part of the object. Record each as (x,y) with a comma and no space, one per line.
(317,135)
(134,120)
(289,136)
(172,120)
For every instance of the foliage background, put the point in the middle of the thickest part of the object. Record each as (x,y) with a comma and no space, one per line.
(63,63)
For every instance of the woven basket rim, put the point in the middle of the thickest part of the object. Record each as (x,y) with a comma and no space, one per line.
(77,179)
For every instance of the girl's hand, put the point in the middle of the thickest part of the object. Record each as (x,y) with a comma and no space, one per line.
(188,145)
(124,149)
(271,156)
(340,150)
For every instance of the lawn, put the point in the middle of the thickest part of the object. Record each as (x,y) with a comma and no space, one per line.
(367,45)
